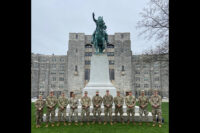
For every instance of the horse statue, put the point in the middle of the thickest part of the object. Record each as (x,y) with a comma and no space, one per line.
(99,37)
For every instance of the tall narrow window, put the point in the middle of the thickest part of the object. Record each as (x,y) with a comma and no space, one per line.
(112,74)
(76,68)
(122,35)
(76,36)
(123,68)
(87,74)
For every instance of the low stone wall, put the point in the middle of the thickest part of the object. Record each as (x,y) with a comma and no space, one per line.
(136,117)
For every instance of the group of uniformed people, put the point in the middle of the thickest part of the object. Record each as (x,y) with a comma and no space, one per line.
(97,100)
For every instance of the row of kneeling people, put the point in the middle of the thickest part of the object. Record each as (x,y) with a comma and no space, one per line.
(130,101)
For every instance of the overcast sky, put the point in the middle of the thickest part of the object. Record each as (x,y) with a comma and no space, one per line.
(53,20)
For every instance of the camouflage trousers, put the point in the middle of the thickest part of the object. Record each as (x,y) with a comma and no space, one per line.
(157,112)
(130,111)
(62,114)
(145,112)
(108,110)
(52,112)
(85,114)
(95,111)
(120,111)
(75,112)
(39,115)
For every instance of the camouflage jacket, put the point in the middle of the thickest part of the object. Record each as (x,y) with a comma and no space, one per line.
(119,100)
(51,101)
(108,100)
(85,101)
(62,102)
(73,102)
(39,104)
(155,100)
(97,100)
(143,101)
(130,100)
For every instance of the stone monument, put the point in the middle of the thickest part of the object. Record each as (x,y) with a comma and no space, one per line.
(99,71)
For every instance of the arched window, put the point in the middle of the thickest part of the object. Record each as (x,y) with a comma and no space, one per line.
(110,46)
(88,46)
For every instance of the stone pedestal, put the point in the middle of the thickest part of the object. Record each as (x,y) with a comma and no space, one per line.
(99,77)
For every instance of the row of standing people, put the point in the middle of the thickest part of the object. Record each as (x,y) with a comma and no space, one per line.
(97,100)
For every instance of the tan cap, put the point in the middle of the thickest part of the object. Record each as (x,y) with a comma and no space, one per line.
(155,90)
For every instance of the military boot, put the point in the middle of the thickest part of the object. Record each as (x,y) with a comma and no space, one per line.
(105,123)
(111,123)
(160,125)
(58,124)
(128,122)
(65,124)
(154,125)
(47,125)
(52,125)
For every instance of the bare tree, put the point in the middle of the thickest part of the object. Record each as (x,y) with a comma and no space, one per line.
(155,21)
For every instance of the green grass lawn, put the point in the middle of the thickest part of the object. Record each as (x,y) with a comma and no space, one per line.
(96,128)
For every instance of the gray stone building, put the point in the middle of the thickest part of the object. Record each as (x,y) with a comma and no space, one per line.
(71,72)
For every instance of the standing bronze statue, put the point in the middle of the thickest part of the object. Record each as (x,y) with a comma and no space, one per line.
(99,37)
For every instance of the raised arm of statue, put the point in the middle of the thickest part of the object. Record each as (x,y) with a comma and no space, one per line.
(94,18)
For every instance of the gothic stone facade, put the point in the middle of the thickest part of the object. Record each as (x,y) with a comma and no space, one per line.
(71,72)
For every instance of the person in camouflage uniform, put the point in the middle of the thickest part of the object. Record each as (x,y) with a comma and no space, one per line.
(107,101)
(62,104)
(73,102)
(51,102)
(156,102)
(96,101)
(39,105)
(130,103)
(143,104)
(85,102)
(119,101)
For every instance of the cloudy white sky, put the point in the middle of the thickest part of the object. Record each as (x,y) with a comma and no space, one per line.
(53,20)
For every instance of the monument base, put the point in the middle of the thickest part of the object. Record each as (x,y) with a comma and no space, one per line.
(102,91)
(99,77)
